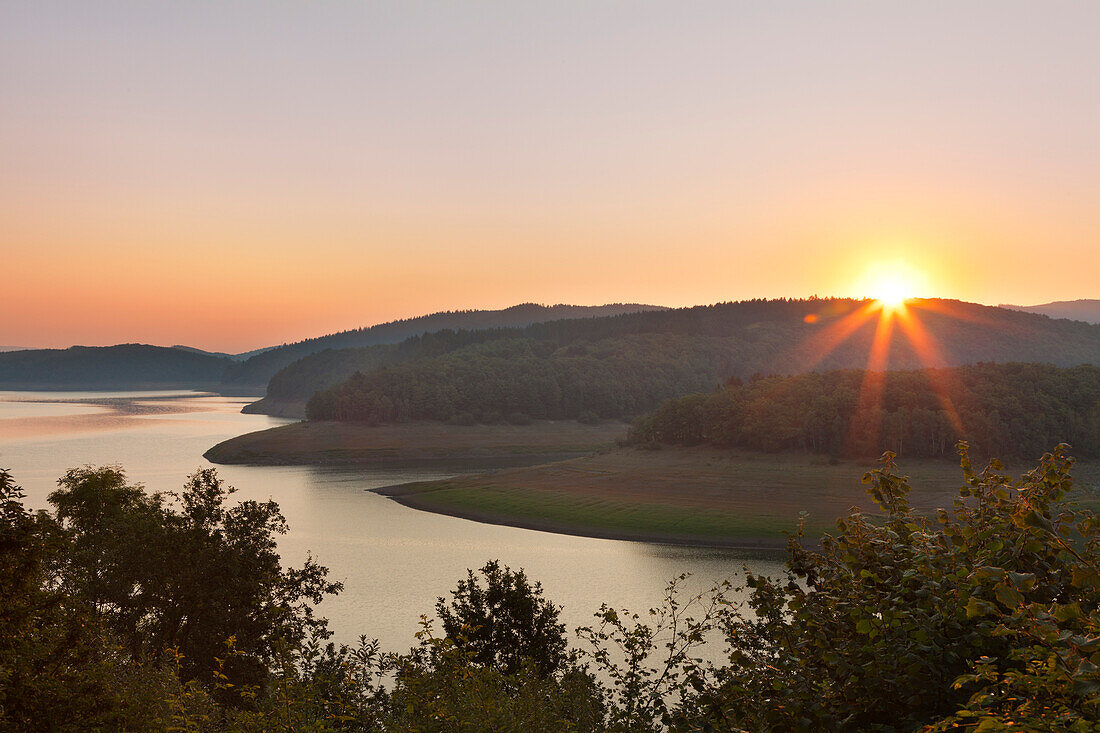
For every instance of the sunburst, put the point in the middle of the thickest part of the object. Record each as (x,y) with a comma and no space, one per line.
(893,290)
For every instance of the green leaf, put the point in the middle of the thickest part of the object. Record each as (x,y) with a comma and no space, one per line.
(1023,581)
(976,607)
(1068,612)
(1035,519)
(1085,577)
(1008,595)
(988,572)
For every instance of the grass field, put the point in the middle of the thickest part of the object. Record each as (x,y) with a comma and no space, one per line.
(314,443)
(701,496)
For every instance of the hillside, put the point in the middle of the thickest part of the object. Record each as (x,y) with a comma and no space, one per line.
(192,349)
(626,365)
(258,368)
(1076,310)
(1004,410)
(125,365)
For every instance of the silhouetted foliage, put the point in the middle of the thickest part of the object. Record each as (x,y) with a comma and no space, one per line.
(184,575)
(985,617)
(505,623)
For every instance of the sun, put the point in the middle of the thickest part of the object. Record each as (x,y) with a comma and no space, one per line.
(892,292)
(891,285)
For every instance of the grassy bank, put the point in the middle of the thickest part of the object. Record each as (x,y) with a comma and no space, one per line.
(313,443)
(703,496)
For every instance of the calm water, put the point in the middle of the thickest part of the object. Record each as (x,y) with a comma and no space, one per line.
(394,561)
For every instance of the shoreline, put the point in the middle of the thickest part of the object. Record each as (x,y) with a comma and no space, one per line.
(691,497)
(762,544)
(567,478)
(415,444)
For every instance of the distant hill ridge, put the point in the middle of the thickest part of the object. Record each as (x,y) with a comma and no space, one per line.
(143,365)
(120,366)
(1087,310)
(258,369)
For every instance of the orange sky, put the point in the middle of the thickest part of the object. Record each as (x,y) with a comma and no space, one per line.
(231,176)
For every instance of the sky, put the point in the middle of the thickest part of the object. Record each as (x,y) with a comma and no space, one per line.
(235,175)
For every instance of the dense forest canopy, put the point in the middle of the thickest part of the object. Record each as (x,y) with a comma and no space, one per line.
(626,365)
(259,368)
(1000,409)
(518,378)
(125,365)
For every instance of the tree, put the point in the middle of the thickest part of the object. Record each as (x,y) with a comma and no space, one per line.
(506,622)
(185,572)
(59,665)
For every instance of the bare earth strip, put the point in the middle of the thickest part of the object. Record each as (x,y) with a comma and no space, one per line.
(694,496)
(314,443)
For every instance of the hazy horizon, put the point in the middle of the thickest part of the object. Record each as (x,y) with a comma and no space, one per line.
(236,176)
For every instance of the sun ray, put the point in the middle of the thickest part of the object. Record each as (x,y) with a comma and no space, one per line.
(873,385)
(951,309)
(823,343)
(928,351)
(895,311)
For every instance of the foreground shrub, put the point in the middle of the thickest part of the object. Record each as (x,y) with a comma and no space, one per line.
(984,617)
(505,623)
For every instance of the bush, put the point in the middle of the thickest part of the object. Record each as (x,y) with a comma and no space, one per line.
(519,418)
(506,623)
(587,417)
(985,617)
(464,418)
(491,417)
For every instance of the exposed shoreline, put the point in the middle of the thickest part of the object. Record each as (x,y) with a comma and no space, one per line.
(415,500)
(416,444)
(684,496)
(568,478)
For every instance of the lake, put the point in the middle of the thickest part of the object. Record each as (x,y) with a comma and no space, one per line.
(394,561)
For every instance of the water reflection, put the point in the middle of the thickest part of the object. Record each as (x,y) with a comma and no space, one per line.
(394,561)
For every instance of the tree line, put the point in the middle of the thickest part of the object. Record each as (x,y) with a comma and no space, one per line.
(986,617)
(1000,409)
(524,379)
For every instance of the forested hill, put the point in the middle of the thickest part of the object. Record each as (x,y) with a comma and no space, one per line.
(1000,409)
(1077,310)
(258,369)
(125,365)
(626,365)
